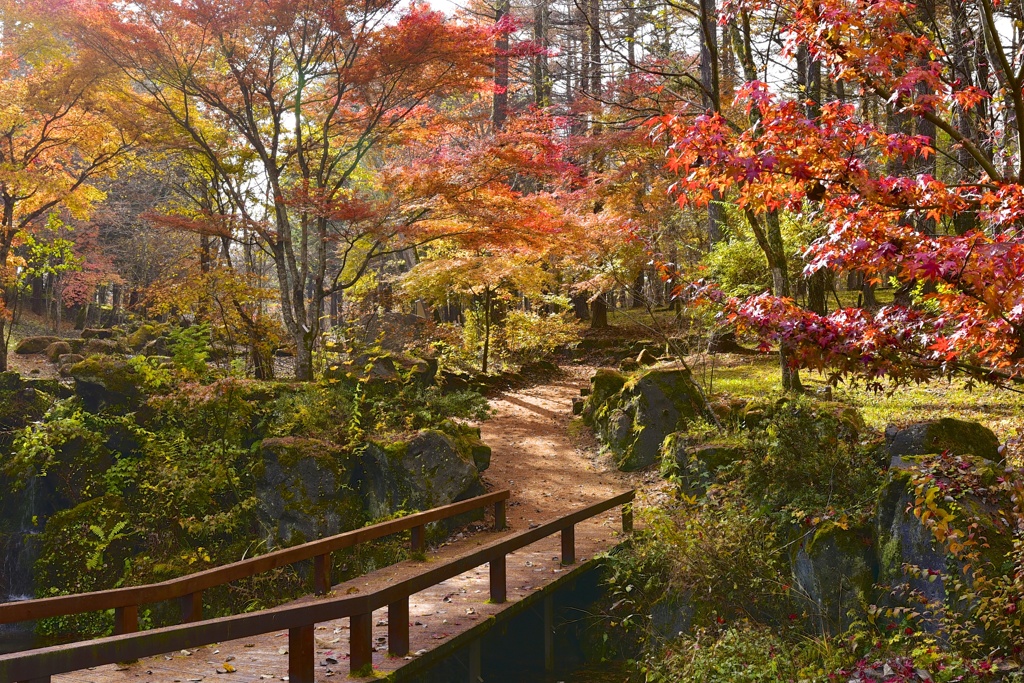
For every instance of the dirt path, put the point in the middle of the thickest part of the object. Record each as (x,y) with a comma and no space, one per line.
(551,467)
(550,470)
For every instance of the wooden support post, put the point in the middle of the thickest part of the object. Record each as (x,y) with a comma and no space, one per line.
(498,587)
(627,518)
(500,518)
(191,607)
(569,545)
(126,619)
(301,650)
(417,539)
(549,633)
(322,574)
(360,644)
(475,669)
(398,628)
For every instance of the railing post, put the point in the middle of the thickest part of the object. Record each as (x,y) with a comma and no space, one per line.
(500,521)
(569,545)
(322,574)
(126,619)
(549,633)
(627,518)
(498,587)
(417,539)
(398,628)
(360,644)
(191,607)
(475,668)
(301,646)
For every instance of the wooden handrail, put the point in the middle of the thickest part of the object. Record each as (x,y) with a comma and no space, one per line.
(188,589)
(38,665)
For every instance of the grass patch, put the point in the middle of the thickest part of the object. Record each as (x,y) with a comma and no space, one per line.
(1000,410)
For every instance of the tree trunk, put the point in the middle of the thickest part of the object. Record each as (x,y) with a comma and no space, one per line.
(500,107)
(3,344)
(599,313)
(540,75)
(487,329)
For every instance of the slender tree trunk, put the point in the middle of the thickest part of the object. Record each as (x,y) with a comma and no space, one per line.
(500,108)
(487,329)
(3,343)
(540,75)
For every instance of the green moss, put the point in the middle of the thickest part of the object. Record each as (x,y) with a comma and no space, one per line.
(604,385)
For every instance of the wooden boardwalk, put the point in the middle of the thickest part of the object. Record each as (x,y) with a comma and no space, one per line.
(436,615)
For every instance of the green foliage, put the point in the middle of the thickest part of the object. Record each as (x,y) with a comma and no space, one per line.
(807,461)
(526,336)
(190,347)
(744,652)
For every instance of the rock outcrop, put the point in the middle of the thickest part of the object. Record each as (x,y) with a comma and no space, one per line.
(632,417)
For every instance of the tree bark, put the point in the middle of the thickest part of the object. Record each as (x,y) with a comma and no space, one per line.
(500,109)
(599,313)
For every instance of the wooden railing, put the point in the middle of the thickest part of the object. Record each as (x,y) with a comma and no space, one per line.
(188,590)
(37,666)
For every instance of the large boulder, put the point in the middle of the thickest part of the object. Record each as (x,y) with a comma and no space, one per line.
(426,471)
(305,491)
(936,436)
(33,345)
(102,381)
(634,422)
(834,572)
(911,560)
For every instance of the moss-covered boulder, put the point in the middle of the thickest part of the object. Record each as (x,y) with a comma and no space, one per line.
(145,334)
(306,491)
(696,466)
(634,421)
(57,349)
(20,404)
(68,361)
(834,572)
(603,386)
(428,470)
(33,345)
(101,347)
(960,488)
(103,381)
(936,436)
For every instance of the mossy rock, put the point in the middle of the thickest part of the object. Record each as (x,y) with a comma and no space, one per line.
(74,558)
(101,347)
(834,573)
(306,490)
(604,385)
(103,381)
(32,345)
(903,541)
(658,402)
(948,434)
(424,471)
(57,349)
(697,466)
(20,404)
(145,334)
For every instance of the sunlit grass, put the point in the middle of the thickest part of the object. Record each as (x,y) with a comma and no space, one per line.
(1000,410)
